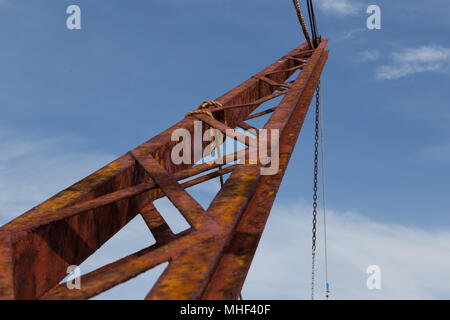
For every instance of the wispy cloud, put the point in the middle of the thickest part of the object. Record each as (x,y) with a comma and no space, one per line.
(406,256)
(34,169)
(281,268)
(411,61)
(282,265)
(339,7)
(434,154)
(347,35)
(370,55)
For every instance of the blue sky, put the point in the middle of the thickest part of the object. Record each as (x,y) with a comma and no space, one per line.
(71,101)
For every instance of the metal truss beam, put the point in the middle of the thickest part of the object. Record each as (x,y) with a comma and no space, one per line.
(210,260)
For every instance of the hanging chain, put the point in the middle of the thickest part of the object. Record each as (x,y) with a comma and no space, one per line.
(316,171)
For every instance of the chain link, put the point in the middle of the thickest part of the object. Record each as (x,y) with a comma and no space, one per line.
(316,171)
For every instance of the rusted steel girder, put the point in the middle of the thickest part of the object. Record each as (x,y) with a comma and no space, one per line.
(211,259)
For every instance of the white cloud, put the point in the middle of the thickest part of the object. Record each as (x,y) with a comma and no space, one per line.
(416,60)
(346,36)
(434,154)
(370,55)
(414,262)
(339,7)
(34,169)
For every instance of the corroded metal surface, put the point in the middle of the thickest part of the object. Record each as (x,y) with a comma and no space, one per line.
(210,260)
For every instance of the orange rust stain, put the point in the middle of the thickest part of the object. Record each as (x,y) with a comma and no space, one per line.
(240,259)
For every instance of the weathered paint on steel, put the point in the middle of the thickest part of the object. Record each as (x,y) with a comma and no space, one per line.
(209,260)
(230,274)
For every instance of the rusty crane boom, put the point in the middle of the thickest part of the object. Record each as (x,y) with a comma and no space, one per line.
(209,260)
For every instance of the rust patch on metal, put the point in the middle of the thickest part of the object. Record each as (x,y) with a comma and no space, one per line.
(209,260)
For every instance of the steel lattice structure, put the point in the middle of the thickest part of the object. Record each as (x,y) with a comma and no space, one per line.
(211,259)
